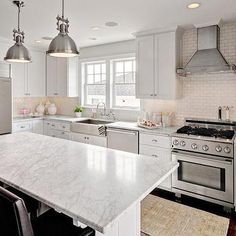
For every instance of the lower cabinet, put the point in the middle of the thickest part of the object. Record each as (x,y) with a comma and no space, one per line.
(89,139)
(34,126)
(158,147)
(57,129)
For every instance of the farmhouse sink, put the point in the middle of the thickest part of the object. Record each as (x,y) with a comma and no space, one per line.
(90,126)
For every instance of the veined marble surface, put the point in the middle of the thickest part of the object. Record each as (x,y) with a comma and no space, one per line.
(133,126)
(52,117)
(91,184)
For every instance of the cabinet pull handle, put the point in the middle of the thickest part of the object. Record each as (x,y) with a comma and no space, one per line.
(22,127)
(151,95)
(62,132)
(154,140)
(63,127)
(154,155)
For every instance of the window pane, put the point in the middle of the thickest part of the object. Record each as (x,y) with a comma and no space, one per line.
(103,78)
(119,78)
(119,67)
(97,79)
(125,96)
(95,94)
(128,66)
(129,77)
(90,79)
(103,68)
(90,69)
(97,68)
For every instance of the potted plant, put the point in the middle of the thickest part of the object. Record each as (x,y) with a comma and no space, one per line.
(78,111)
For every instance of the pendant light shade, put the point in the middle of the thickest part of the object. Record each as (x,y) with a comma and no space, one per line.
(18,52)
(62,45)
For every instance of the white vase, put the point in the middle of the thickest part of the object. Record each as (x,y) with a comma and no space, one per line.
(52,109)
(78,114)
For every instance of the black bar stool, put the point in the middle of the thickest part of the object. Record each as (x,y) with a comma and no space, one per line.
(14,220)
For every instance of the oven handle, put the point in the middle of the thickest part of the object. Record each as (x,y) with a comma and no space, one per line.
(223,160)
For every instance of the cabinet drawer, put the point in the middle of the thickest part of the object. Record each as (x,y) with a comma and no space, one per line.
(59,134)
(164,155)
(63,126)
(161,153)
(82,138)
(155,140)
(22,126)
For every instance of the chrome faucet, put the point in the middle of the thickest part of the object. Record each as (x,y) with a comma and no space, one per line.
(104,109)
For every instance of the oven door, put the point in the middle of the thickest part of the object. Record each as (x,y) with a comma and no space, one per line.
(205,175)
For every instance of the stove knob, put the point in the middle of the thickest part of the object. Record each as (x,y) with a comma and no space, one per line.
(205,148)
(227,149)
(182,143)
(176,142)
(194,146)
(218,148)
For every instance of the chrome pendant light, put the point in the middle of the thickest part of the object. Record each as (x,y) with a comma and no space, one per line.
(18,52)
(62,45)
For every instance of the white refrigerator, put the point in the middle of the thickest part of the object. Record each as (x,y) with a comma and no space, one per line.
(5,99)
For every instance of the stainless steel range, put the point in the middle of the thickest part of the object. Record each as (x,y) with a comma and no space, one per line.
(204,150)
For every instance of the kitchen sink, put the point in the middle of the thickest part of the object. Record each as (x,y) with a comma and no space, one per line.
(90,126)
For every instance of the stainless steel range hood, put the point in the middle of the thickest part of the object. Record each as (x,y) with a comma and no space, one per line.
(207,58)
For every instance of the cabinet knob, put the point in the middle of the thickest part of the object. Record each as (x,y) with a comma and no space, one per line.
(154,140)
(154,155)
(151,95)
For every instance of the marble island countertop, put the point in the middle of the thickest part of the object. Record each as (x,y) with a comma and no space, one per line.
(91,184)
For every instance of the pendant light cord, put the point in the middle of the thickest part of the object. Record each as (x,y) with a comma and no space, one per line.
(19,17)
(63,8)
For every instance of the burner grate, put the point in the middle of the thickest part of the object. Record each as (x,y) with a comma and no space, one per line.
(208,132)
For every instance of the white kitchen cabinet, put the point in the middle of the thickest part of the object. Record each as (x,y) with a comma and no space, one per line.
(157,146)
(57,129)
(62,77)
(23,126)
(29,80)
(89,139)
(157,59)
(34,126)
(37,126)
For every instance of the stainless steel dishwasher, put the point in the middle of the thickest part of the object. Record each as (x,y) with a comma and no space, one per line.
(123,139)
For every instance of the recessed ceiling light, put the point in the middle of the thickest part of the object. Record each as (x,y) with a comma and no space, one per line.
(93,39)
(111,24)
(193,5)
(95,28)
(37,41)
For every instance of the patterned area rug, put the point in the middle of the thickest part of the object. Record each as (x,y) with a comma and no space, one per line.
(161,217)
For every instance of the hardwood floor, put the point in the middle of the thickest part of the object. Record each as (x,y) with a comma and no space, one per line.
(202,205)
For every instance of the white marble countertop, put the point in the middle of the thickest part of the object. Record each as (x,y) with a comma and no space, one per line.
(52,117)
(91,184)
(134,126)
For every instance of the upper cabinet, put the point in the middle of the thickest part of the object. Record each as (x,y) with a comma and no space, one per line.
(158,55)
(62,77)
(29,80)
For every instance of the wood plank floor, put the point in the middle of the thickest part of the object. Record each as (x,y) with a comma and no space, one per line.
(202,205)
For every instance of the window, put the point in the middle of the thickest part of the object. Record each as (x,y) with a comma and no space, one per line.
(94,83)
(111,81)
(124,83)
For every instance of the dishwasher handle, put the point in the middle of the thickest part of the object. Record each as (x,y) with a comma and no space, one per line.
(123,131)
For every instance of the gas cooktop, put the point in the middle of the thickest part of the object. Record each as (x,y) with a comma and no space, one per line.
(207,132)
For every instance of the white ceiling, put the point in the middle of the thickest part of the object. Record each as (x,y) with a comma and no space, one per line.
(38,17)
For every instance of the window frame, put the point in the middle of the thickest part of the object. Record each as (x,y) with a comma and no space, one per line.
(113,83)
(109,80)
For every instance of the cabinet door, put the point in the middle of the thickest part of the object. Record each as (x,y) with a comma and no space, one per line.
(145,67)
(82,138)
(36,75)
(19,79)
(165,72)
(25,126)
(62,76)
(38,126)
(51,68)
(98,141)
(164,155)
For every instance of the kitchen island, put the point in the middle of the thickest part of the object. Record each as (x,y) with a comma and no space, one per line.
(96,186)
